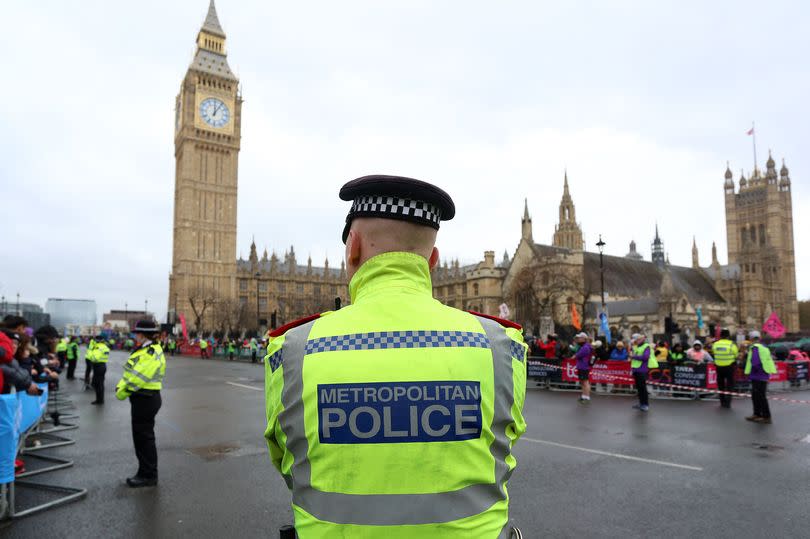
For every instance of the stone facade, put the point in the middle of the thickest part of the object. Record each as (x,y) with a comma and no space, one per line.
(270,289)
(760,275)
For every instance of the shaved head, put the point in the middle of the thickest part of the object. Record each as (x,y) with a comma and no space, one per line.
(369,237)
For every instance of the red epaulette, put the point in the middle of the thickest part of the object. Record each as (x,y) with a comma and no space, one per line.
(501,321)
(294,324)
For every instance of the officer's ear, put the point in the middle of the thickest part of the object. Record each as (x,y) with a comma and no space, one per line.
(434,258)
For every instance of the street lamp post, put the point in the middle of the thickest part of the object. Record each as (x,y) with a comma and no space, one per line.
(258,315)
(601,244)
(175,309)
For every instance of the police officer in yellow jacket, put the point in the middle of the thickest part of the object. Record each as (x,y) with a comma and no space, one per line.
(395,416)
(88,363)
(141,382)
(99,358)
(725,360)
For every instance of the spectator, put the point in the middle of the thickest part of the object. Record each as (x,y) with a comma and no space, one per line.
(619,353)
(676,354)
(661,351)
(17,324)
(698,354)
(13,346)
(549,349)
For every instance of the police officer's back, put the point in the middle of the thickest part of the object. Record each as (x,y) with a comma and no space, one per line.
(394,417)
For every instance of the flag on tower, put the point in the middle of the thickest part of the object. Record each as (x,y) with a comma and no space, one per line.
(750,131)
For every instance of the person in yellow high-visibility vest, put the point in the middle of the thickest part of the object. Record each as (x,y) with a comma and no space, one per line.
(101,354)
(725,360)
(641,361)
(759,367)
(395,416)
(141,383)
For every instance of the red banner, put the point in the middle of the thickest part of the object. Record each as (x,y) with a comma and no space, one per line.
(183,325)
(602,372)
(781,374)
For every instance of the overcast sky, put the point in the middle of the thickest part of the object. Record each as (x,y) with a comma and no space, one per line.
(643,102)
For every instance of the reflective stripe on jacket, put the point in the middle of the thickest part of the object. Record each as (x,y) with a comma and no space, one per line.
(100,353)
(724,352)
(395,416)
(144,369)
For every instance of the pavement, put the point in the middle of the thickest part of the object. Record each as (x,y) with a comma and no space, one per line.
(685,469)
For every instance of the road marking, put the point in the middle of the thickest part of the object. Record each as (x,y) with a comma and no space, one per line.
(616,455)
(246,387)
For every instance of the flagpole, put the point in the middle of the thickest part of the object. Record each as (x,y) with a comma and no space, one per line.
(754,133)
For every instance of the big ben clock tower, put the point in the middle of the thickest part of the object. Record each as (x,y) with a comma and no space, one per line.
(206,150)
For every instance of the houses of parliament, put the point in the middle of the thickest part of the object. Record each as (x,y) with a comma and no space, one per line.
(542,284)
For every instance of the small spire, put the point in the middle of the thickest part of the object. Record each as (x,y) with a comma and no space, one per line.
(729,174)
(565,184)
(211,23)
(526,209)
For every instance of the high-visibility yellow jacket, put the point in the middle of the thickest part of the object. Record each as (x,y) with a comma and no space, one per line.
(395,416)
(100,353)
(724,352)
(145,369)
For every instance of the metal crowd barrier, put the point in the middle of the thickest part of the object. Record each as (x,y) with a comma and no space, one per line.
(21,433)
(560,375)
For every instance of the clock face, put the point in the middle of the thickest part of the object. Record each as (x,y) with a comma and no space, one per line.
(214,112)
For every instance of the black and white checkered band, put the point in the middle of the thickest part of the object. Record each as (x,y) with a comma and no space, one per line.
(410,210)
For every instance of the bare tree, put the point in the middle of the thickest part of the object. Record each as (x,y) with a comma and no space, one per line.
(201,300)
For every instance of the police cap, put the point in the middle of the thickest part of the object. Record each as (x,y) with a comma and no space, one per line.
(146,326)
(396,197)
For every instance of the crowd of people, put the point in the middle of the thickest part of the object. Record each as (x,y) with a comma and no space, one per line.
(231,347)
(751,355)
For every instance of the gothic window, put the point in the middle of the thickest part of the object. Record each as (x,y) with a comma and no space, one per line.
(282,288)
(754,235)
(300,288)
(475,289)
(317,289)
(753,268)
(242,284)
(263,304)
(243,300)
(263,286)
(762,234)
(334,290)
(544,278)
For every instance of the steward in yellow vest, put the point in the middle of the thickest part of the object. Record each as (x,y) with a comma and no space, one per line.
(759,367)
(395,416)
(142,382)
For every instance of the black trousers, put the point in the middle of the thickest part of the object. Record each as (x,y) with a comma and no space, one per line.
(88,368)
(144,409)
(71,374)
(641,387)
(99,371)
(725,382)
(759,397)
(253,356)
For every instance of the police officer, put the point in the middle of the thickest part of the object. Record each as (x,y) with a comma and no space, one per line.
(725,359)
(88,362)
(641,361)
(72,357)
(404,422)
(101,354)
(61,351)
(141,382)
(759,367)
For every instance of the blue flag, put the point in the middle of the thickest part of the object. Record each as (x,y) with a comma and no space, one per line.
(603,324)
(699,314)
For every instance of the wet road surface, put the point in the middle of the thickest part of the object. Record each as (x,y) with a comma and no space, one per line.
(685,469)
